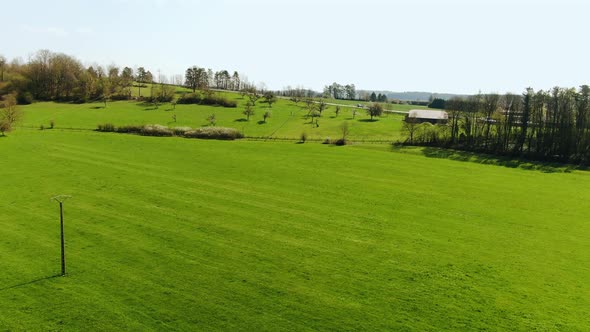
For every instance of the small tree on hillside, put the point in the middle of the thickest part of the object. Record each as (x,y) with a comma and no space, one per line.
(127,81)
(253,95)
(249,111)
(409,128)
(212,119)
(309,105)
(344,129)
(140,78)
(322,106)
(337,111)
(315,115)
(269,98)
(375,110)
(243,92)
(266,115)
(296,100)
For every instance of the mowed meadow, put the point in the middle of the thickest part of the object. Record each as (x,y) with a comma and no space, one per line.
(186,234)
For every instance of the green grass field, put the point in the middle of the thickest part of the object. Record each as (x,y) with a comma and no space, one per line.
(184,234)
(287,120)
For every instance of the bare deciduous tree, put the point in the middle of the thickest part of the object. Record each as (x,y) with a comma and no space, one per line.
(249,111)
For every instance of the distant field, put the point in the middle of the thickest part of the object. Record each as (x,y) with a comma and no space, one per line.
(146,89)
(181,234)
(287,120)
(388,106)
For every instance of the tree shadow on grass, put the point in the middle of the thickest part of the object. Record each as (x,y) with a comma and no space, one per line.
(30,282)
(97,107)
(145,104)
(368,120)
(505,161)
(241,120)
(261,122)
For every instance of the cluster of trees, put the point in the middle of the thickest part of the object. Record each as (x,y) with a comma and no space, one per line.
(338,91)
(202,79)
(545,125)
(437,103)
(298,92)
(253,95)
(381,98)
(57,76)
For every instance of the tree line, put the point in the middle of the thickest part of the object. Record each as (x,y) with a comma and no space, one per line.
(49,76)
(544,125)
(338,91)
(197,78)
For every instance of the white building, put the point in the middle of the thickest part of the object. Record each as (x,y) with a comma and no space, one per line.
(434,117)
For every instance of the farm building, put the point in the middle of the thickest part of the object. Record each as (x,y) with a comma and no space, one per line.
(434,117)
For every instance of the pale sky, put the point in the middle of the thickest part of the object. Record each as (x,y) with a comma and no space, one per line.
(454,46)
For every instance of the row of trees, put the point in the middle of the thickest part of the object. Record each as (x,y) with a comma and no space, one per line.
(381,98)
(298,92)
(202,79)
(338,91)
(546,125)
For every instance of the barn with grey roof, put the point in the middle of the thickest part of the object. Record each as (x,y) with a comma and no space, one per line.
(432,116)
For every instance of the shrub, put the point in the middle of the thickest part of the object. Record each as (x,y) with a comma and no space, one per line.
(24,98)
(120,96)
(220,101)
(107,127)
(341,141)
(214,133)
(5,127)
(303,137)
(209,99)
(156,130)
(179,131)
(130,129)
(41,127)
(51,124)
(159,99)
(327,140)
(189,98)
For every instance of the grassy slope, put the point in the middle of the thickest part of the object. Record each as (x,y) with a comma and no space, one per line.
(287,121)
(169,233)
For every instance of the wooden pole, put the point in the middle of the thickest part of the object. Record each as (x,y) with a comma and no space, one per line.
(63,247)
